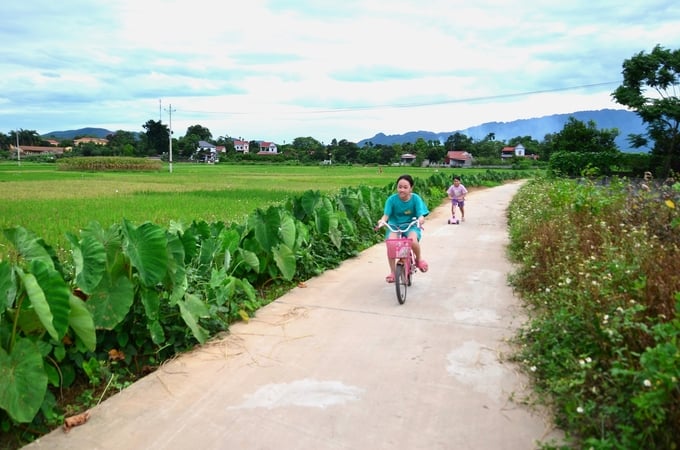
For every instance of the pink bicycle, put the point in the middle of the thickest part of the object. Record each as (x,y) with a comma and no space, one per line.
(400,250)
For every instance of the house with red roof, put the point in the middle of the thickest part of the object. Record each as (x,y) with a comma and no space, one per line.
(241,146)
(267,148)
(458,158)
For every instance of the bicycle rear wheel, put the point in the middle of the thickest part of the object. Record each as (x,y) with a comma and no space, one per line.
(401,282)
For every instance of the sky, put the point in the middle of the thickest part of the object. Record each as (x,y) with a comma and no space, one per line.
(275,70)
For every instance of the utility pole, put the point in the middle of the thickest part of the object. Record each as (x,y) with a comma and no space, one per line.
(170,110)
(18,150)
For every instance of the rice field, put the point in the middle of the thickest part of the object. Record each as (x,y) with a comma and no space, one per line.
(50,202)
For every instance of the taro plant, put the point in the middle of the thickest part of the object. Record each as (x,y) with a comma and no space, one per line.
(40,317)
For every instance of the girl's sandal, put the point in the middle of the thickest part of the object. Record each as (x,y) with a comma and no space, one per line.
(422,265)
(390,278)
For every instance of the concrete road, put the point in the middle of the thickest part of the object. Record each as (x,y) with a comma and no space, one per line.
(339,364)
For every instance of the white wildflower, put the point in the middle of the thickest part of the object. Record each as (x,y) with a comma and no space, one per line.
(647,383)
(580,410)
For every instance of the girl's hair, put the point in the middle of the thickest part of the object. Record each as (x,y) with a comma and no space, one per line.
(406,177)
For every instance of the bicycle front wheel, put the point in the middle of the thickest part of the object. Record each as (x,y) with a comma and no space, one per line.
(401,282)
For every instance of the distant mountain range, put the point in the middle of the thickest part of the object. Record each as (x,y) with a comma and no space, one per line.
(72,134)
(626,122)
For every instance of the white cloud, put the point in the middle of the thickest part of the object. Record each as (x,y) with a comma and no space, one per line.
(277,69)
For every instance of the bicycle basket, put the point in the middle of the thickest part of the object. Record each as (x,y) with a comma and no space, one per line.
(398,248)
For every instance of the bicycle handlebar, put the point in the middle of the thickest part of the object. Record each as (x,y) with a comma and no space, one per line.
(398,229)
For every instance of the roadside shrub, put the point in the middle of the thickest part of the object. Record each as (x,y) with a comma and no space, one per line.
(599,272)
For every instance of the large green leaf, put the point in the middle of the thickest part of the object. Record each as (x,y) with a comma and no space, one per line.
(23,380)
(57,294)
(287,229)
(110,238)
(347,225)
(207,251)
(110,302)
(89,257)
(8,287)
(350,204)
(29,246)
(192,309)
(335,236)
(38,301)
(151,302)
(250,258)
(146,247)
(81,322)
(266,225)
(177,275)
(285,260)
(230,240)
(322,220)
(248,289)
(156,330)
(310,200)
(189,240)
(301,234)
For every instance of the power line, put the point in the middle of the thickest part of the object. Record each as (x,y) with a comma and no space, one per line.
(423,104)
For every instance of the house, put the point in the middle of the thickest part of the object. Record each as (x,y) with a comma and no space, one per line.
(267,148)
(38,150)
(241,146)
(458,158)
(53,142)
(509,152)
(407,159)
(206,152)
(90,140)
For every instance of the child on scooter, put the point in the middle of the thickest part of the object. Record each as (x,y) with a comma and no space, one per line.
(457,193)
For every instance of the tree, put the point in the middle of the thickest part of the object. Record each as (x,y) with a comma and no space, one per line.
(5,142)
(459,141)
(309,148)
(26,137)
(577,136)
(199,131)
(187,145)
(650,85)
(581,148)
(122,143)
(487,148)
(157,137)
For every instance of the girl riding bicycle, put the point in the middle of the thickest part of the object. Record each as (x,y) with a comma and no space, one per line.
(400,209)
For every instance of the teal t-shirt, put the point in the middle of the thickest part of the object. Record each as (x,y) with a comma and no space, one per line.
(400,213)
